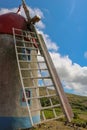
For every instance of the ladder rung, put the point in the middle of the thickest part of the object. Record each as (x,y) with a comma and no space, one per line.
(33,69)
(45,96)
(23,31)
(31,48)
(26,54)
(29,35)
(47,120)
(46,86)
(25,41)
(31,61)
(45,108)
(36,77)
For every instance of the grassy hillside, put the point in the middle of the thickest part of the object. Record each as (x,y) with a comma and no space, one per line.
(78,102)
(79,107)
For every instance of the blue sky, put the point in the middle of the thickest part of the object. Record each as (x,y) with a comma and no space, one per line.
(65,28)
(66,23)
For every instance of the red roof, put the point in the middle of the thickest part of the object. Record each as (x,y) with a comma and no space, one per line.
(11,20)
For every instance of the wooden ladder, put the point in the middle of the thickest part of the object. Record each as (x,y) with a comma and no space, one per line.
(34,60)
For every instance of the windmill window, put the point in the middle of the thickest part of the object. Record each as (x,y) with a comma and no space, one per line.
(28,51)
(28,95)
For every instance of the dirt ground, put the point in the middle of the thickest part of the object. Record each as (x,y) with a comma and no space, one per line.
(56,125)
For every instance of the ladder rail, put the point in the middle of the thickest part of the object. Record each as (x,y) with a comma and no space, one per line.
(58,86)
(22,81)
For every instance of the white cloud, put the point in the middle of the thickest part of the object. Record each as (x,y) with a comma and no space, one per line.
(36,11)
(85,54)
(74,75)
(52,46)
(40,25)
(4,10)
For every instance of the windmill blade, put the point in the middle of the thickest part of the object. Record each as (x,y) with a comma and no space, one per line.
(26,10)
(33,20)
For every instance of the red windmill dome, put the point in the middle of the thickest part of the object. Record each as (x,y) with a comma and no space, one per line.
(11,20)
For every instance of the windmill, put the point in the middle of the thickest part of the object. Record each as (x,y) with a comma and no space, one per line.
(30,85)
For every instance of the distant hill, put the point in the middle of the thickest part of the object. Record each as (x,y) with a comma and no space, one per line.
(79,105)
(78,102)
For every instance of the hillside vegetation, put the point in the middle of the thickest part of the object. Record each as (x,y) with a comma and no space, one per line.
(79,122)
(79,106)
